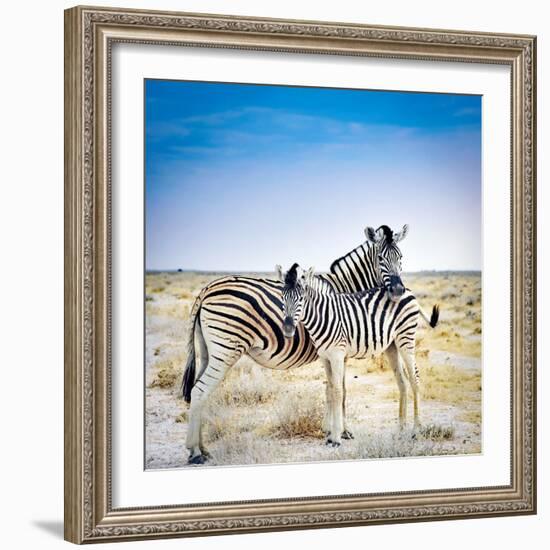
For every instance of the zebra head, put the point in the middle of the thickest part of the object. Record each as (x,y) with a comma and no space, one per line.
(388,257)
(295,281)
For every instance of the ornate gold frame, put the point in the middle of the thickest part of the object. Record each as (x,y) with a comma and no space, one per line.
(89,35)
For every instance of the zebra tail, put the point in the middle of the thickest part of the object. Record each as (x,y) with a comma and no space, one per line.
(188,380)
(434,319)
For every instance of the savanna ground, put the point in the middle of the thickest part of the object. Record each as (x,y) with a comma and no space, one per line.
(261,416)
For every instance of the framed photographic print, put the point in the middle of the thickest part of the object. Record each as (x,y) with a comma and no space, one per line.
(300,274)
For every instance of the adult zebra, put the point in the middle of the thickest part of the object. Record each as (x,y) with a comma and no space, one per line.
(360,324)
(234,316)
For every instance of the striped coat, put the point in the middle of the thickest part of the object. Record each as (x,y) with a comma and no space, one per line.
(362,324)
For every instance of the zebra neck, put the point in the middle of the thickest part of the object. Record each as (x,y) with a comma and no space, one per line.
(358,270)
(314,313)
(323,284)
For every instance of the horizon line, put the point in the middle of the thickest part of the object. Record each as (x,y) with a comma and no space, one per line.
(229,272)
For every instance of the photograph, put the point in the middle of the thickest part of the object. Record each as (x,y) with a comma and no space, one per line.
(313,274)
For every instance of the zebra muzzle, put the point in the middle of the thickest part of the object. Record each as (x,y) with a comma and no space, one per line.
(289,328)
(397,289)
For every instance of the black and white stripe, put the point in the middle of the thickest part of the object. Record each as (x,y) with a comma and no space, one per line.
(362,324)
(235,316)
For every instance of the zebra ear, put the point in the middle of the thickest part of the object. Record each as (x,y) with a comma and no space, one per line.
(401,235)
(279,273)
(372,235)
(308,276)
(299,273)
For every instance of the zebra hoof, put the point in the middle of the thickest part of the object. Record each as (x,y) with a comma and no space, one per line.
(197,459)
(332,443)
(346,434)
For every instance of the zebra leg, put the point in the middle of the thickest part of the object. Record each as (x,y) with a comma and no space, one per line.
(329,410)
(346,434)
(336,374)
(203,352)
(395,362)
(327,418)
(206,383)
(408,354)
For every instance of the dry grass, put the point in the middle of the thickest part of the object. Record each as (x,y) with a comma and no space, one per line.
(396,444)
(246,385)
(244,448)
(182,418)
(453,341)
(299,416)
(164,378)
(170,311)
(450,384)
(435,432)
(259,416)
(472,416)
(167,370)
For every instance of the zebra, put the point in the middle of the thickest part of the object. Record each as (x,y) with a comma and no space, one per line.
(360,324)
(236,315)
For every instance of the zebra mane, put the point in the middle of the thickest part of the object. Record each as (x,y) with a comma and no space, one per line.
(356,270)
(359,250)
(388,233)
(291,277)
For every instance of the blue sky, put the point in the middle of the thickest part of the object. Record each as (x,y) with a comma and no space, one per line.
(241,177)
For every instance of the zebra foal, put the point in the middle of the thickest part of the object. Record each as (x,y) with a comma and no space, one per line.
(362,324)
